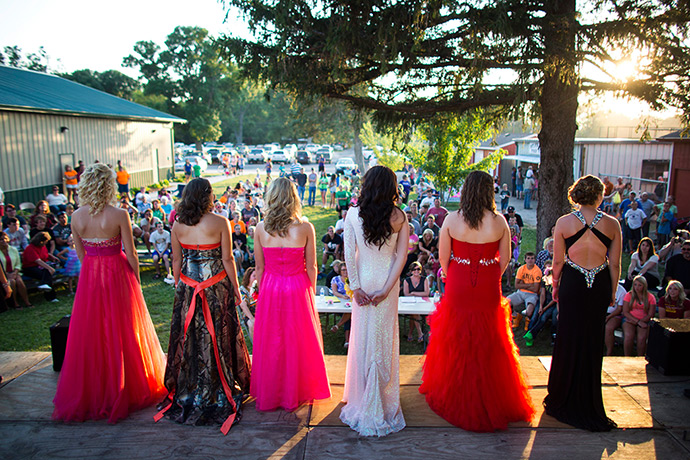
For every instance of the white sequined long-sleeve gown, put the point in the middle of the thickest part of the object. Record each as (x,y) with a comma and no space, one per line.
(372,390)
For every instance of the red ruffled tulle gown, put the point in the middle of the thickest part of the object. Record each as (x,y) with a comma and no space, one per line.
(113,363)
(472,375)
(288,366)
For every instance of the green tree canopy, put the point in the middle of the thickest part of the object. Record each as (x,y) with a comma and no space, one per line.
(421,58)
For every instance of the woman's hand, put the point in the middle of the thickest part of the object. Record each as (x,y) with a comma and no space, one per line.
(8,291)
(378,297)
(642,324)
(554,293)
(361,297)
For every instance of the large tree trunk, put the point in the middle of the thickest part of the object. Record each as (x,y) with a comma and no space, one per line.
(357,123)
(558,103)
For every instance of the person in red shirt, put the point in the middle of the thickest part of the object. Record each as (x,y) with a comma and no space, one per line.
(35,261)
(674,304)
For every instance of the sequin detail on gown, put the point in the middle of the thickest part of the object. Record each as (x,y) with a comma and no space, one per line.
(372,381)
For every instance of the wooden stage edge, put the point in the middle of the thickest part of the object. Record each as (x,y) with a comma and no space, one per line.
(652,413)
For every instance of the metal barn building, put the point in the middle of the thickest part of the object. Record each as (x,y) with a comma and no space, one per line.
(47,122)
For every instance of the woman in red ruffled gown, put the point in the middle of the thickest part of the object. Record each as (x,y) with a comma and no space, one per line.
(472,375)
(114,363)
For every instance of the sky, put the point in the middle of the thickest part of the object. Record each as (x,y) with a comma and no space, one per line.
(97,35)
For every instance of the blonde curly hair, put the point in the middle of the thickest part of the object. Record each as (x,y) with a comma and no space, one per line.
(283,207)
(97,187)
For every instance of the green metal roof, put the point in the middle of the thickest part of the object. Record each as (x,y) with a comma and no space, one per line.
(31,91)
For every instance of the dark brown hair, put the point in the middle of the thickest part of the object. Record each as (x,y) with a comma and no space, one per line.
(40,237)
(376,203)
(586,190)
(477,197)
(196,201)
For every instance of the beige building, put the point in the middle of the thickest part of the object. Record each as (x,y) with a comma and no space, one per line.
(47,122)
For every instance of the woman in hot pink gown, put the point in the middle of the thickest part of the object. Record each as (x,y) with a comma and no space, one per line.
(113,363)
(288,366)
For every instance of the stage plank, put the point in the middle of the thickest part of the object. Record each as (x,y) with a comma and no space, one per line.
(128,440)
(454,443)
(664,401)
(534,370)
(635,370)
(335,366)
(15,363)
(30,396)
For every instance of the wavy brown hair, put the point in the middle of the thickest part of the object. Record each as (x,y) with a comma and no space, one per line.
(97,187)
(586,190)
(477,197)
(283,207)
(376,203)
(197,200)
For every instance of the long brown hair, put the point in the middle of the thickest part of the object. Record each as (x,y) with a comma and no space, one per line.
(376,203)
(477,197)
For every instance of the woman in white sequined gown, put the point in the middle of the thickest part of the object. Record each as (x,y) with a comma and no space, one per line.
(376,236)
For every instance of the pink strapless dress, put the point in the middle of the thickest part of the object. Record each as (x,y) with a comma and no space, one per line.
(288,366)
(114,363)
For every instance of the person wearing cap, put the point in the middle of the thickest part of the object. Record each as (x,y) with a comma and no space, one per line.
(332,245)
(335,271)
(511,213)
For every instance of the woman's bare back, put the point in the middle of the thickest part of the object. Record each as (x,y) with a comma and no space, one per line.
(103,226)
(207,231)
(492,228)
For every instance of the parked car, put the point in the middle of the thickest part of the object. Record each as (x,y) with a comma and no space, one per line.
(312,148)
(303,157)
(179,165)
(324,152)
(345,165)
(257,156)
(280,156)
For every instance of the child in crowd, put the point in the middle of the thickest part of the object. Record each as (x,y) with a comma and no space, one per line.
(72,266)
(69,210)
(505,198)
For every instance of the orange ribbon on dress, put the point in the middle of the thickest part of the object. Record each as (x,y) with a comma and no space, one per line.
(199,289)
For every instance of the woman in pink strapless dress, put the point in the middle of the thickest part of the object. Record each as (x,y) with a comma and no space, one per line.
(288,366)
(113,363)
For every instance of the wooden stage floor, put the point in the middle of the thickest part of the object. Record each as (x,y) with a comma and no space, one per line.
(650,409)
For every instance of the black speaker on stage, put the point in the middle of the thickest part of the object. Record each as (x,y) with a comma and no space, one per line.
(668,345)
(58,341)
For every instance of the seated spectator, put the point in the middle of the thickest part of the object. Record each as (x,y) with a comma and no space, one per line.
(250,243)
(219,209)
(141,201)
(545,254)
(247,308)
(439,213)
(18,238)
(639,307)
(10,213)
(147,226)
(340,224)
(548,309)
(41,226)
(239,243)
(415,228)
(166,204)
(69,210)
(249,210)
(236,220)
(674,304)
(412,249)
(42,209)
(157,210)
(431,225)
(518,217)
(160,239)
(61,231)
(416,216)
(643,262)
(416,285)
(35,261)
(56,200)
(12,264)
(332,246)
(427,200)
(678,267)
(338,289)
(614,319)
(335,271)
(428,243)
(673,247)
(527,283)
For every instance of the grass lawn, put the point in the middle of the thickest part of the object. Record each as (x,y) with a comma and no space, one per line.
(27,329)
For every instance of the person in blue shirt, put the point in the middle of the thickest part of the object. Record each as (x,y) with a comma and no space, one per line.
(623,208)
(405,184)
